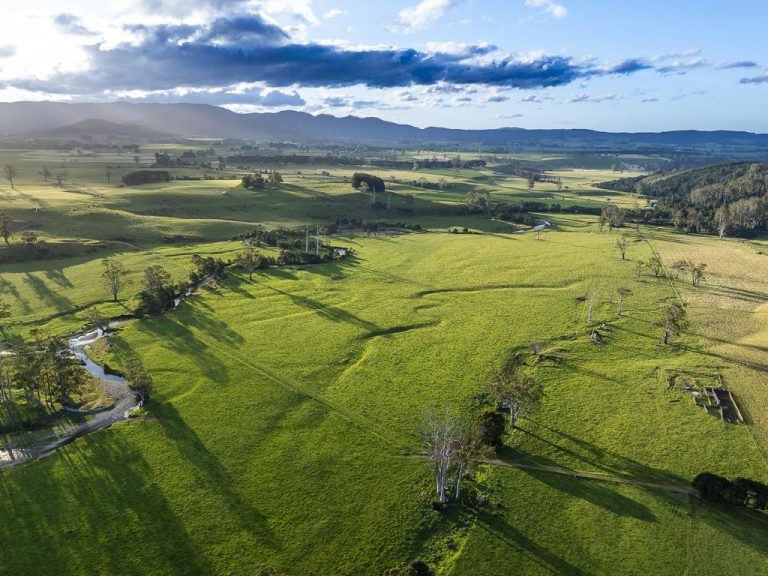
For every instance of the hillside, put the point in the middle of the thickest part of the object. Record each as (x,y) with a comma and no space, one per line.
(726,198)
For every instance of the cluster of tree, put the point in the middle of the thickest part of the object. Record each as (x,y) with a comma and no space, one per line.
(425,184)
(727,199)
(367,182)
(146,177)
(429,164)
(278,238)
(206,266)
(696,270)
(455,447)
(253,181)
(163,159)
(158,292)
(740,492)
(44,370)
(258,182)
(280,160)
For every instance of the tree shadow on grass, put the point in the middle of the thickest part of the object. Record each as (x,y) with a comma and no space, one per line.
(214,477)
(101,484)
(44,292)
(595,492)
(748,526)
(604,460)
(331,313)
(515,539)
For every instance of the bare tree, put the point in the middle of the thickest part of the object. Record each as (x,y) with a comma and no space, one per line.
(722,219)
(639,268)
(45,173)
(516,393)
(621,244)
(621,297)
(680,267)
(115,276)
(671,321)
(10,173)
(592,299)
(697,272)
(441,449)
(655,265)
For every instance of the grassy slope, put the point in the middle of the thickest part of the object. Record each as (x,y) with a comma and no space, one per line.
(729,313)
(286,409)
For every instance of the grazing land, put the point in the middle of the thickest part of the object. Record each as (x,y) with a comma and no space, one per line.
(285,429)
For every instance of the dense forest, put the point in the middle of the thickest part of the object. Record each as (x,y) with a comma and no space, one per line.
(727,199)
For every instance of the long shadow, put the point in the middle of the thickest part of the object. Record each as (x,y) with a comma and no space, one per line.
(45,293)
(593,491)
(747,526)
(58,277)
(329,312)
(62,507)
(10,288)
(599,457)
(759,366)
(515,539)
(214,477)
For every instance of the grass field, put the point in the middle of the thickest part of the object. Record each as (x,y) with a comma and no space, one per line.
(285,429)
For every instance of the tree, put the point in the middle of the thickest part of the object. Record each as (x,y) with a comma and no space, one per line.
(680,267)
(621,297)
(531,181)
(114,275)
(61,175)
(655,265)
(5,227)
(613,216)
(491,428)
(439,438)
(45,173)
(516,393)
(621,244)
(96,319)
(275,178)
(139,380)
(722,220)
(249,260)
(671,321)
(639,268)
(10,173)
(592,298)
(698,271)
(29,238)
(156,279)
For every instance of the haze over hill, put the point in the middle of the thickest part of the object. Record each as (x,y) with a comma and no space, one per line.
(31,119)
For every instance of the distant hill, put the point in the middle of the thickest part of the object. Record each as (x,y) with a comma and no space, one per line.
(188,120)
(723,199)
(97,127)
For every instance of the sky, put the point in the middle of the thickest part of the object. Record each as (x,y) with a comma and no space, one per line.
(599,64)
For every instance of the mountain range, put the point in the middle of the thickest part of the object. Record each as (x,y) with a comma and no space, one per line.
(154,121)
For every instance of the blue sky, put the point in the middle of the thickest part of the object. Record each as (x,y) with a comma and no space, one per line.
(461,63)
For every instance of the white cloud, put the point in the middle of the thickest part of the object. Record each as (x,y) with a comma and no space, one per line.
(422,14)
(333,13)
(549,6)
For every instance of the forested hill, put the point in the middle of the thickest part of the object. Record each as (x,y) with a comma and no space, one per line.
(724,199)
